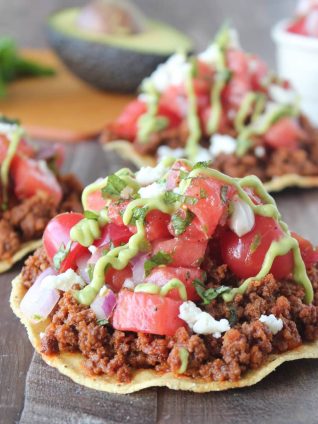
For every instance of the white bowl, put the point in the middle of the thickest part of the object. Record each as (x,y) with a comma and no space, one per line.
(297,61)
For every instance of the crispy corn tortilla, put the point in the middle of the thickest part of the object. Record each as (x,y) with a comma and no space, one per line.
(71,364)
(25,248)
(126,151)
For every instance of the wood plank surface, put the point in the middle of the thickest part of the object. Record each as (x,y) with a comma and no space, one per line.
(60,107)
(290,395)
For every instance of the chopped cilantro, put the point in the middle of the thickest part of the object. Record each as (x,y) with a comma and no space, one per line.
(160,258)
(233,315)
(37,317)
(61,254)
(102,321)
(203,194)
(208,294)
(170,197)
(91,215)
(180,223)
(113,187)
(138,214)
(204,164)
(255,243)
(223,193)
(183,174)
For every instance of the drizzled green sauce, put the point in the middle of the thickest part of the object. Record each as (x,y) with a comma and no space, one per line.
(119,257)
(192,118)
(174,283)
(14,140)
(149,122)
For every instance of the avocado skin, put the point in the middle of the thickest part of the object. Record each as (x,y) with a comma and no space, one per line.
(104,66)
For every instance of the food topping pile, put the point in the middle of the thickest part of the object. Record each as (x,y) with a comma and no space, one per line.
(177,268)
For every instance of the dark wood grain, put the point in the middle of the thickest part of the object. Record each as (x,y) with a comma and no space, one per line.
(288,396)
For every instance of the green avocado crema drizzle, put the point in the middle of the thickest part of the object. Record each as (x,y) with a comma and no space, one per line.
(192,118)
(244,138)
(174,283)
(14,137)
(118,258)
(149,122)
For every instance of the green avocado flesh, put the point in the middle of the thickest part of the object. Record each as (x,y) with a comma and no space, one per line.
(158,38)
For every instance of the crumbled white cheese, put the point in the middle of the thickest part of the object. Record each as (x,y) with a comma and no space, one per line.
(166,151)
(209,55)
(173,72)
(259,151)
(234,39)
(8,129)
(189,312)
(126,192)
(152,190)
(201,322)
(63,281)
(206,324)
(129,284)
(282,95)
(274,324)
(242,219)
(148,174)
(222,144)
(92,248)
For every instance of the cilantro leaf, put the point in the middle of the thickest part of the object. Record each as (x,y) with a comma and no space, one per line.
(138,214)
(160,258)
(180,223)
(91,215)
(113,187)
(204,164)
(203,194)
(223,193)
(170,197)
(209,294)
(61,254)
(102,321)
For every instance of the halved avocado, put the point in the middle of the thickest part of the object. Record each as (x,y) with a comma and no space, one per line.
(113,62)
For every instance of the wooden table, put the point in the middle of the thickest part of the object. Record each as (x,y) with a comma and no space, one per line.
(200,20)
(89,162)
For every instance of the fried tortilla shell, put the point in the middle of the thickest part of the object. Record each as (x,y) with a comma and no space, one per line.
(24,250)
(127,152)
(71,364)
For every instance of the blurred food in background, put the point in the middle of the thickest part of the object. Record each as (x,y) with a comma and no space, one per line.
(111,44)
(306,19)
(33,190)
(297,54)
(225,106)
(13,66)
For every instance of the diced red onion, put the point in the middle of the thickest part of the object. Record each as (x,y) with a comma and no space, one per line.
(138,268)
(40,300)
(46,152)
(82,264)
(103,306)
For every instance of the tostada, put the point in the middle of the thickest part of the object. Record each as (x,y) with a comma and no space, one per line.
(176,276)
(33,191)
(223,105)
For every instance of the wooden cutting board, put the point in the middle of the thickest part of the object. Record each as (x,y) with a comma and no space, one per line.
(60,107)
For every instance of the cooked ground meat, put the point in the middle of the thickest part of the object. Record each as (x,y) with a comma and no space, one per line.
(34,266)
(276,162)
(26,220)
(74,328)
